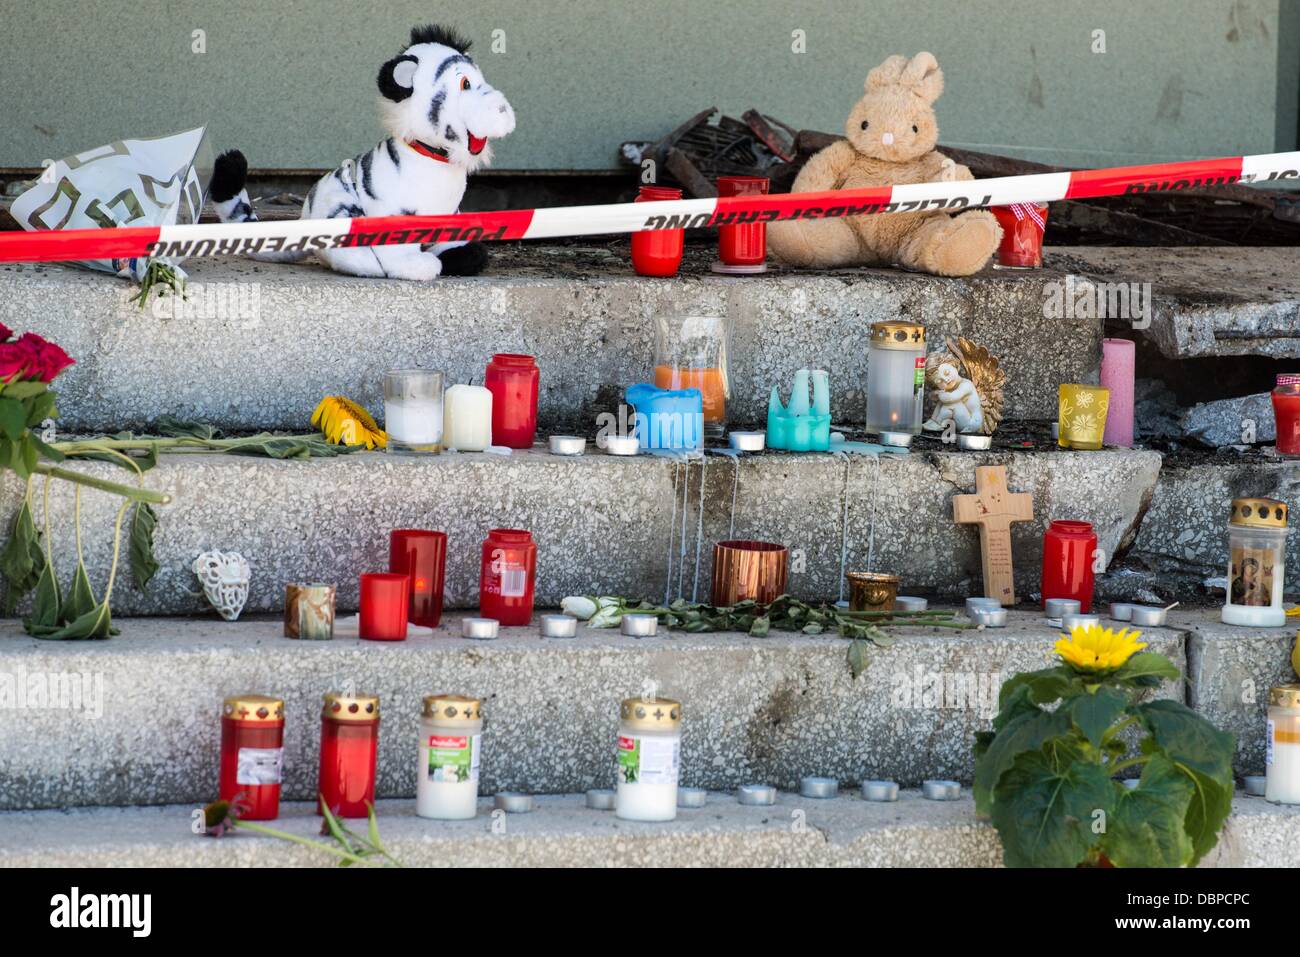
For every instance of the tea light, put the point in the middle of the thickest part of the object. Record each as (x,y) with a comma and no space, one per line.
(981,604)
(974,443)
(843,605)
(1056,431)
(622,444)
(601,799)
(1255,784)
(910,603)
(1147,615)
(880,790)
(900,440)
(747,441)
(467,418)
(820,788)
(990,617)
(1071,622)
(756,795)
(692,797)
(559,626)
(639,626)
(940,790)
(1121,611)
(513,802)
(1060,607)
(568,444)
(479,627)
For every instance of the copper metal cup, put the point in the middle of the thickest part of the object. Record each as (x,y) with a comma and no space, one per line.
(872,591)
(309,611)
(745,570)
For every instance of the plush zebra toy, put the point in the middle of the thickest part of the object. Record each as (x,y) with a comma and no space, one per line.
(439,113)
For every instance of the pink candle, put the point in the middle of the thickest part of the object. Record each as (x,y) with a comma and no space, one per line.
(1117,375)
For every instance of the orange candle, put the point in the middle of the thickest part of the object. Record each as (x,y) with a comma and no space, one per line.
(710,382)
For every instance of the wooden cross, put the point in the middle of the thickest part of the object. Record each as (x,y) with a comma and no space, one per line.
(993,509)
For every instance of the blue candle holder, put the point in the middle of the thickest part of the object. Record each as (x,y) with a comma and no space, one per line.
(668,419)
(798,428)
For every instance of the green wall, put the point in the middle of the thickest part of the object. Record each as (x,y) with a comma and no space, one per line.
(292,82)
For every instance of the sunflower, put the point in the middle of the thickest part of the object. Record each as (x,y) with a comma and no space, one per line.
(1097,650)
(344,422)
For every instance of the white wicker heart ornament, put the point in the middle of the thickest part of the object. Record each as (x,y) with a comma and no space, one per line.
(224,577)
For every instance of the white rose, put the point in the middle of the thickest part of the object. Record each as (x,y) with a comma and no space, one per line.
(579,606)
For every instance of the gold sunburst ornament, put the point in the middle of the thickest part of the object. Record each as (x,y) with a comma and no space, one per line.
(344,422)
(1096,650)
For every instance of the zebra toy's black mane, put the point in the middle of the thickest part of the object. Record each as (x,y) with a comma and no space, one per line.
(433,33)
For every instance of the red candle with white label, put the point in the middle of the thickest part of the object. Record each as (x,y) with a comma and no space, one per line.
(349,749)
(421,556)
(252,754)
(507,575)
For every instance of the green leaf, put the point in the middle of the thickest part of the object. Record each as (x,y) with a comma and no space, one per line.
(1145,665)
(1204,754)
(1045,816)
(760,627)
(25,390)
(21,561)
(13,418)
(46,603)
(174,428)
(858,658)
(46,451)
(96,623)
(81,598)
(1045,686)
(1093,714)
(42,408)
(336,829)
(143,563)
(1147,829)
(1027,732)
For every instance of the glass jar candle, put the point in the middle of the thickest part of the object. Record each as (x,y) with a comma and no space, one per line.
(421,556)
(385,606)
(252,754)
(1282,749)
(1022,225)
(742,247)
(658,252)
(1081,415)
(895,377)
(413,410)
(512,380)
(349,747)
(1069,549)
(1256,563)
(446,779)
(692,352)
(648,759)
(1286,413)
(506,577)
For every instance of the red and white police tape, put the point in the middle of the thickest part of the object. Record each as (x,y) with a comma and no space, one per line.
(225,239)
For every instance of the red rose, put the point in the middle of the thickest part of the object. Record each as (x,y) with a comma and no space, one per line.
(47,359)
(14,360)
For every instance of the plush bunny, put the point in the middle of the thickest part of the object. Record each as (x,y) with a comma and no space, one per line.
(891,137)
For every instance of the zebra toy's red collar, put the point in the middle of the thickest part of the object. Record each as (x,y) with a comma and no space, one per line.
(433,152)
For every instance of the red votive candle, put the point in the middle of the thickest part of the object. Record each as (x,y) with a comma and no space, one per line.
(422,556)
(743,245)
(252,754)
(1022,234)
(349,747)
(507,576)
(1068,550)
(1286,413)
(658,252)
(385,605)
(512,380)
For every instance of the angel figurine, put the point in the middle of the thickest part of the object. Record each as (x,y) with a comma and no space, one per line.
(967,384)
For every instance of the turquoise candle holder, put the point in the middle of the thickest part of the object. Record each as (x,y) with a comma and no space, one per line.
(797,427)
(667,418)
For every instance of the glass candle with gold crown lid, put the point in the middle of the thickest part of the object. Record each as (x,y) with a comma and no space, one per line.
(349,748)
(446,785)
(1256,563)
(648,759)
(895,381)
(252,754)
(1282,749)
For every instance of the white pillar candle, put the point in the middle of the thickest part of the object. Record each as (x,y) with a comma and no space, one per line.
(1282,749)
(467,418)
(446,781)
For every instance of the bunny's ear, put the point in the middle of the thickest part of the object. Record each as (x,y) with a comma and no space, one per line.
(923,75)
(887,74)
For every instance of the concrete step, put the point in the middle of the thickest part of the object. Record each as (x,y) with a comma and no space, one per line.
(145,729)
(562,832)
(259,344)
(603,524)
